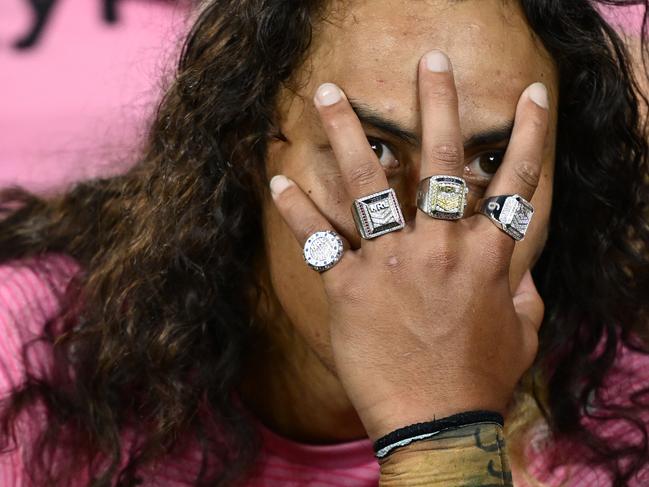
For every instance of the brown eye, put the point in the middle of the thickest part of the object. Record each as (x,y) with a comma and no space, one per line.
(486,164)
(385,155)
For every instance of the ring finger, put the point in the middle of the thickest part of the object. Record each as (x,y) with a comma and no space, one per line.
(360,168)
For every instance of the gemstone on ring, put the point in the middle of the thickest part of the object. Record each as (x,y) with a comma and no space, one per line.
(511,213)
(323,250)
(378,214)
(443,197)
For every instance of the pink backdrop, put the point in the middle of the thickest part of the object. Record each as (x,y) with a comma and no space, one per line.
(73,106)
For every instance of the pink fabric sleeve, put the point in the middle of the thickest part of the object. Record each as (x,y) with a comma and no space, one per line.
(626,19)
(628,376)
(28,298)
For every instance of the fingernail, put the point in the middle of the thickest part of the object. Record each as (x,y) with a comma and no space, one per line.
(328,94)
(538,93)
(279,183)
(437,62)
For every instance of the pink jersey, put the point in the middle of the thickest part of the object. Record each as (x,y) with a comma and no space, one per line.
(28,299)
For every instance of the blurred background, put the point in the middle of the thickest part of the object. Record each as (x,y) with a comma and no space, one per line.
(80,78)
(78,81)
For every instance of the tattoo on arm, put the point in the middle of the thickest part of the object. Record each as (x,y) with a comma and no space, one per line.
(472,456)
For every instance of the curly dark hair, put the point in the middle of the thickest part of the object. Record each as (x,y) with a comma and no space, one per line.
(154,330)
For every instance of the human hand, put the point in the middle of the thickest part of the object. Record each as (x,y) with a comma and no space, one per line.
(423,322)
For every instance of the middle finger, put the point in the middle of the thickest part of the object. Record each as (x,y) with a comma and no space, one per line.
(442,149)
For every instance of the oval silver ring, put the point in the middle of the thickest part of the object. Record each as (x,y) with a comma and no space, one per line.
(323,250)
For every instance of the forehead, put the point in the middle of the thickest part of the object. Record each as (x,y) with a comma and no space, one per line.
(371,49)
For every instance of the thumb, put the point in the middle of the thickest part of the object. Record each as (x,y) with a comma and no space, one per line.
(528,303)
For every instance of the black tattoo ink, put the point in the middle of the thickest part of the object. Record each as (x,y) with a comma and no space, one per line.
(497,446)
(504,475)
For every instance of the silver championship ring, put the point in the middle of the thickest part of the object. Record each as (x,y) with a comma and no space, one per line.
(378,214)
(323,250)
(442,197)
(511,213)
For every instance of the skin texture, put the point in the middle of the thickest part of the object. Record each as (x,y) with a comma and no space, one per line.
(372,51)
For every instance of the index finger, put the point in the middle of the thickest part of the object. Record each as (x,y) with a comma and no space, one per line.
(359,166)
(521,168)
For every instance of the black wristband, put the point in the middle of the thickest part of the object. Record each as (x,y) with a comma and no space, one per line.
(430,428)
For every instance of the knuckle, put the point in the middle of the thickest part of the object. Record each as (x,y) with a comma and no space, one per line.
(449,153)
(528,172)
(363,174)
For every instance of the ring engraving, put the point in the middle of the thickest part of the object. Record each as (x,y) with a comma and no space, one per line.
(323,250)
(442,197)
(377,214)
(511,213)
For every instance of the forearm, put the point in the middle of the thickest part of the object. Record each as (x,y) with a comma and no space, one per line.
(472,455)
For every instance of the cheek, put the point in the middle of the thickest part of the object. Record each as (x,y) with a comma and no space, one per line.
(298,289)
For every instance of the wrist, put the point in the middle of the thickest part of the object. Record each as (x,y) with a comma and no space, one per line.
(432,429)
(471,453)
(393,415)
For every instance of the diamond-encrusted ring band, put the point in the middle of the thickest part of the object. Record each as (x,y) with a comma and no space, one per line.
(442,197)
(511,213)
(323,250)
(378,214)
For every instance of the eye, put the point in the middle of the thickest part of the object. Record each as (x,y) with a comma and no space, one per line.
(384,153)
(486,164)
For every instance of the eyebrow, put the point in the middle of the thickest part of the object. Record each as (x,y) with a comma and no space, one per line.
(374,118)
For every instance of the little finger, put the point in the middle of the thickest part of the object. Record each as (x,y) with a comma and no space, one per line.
(322,246)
